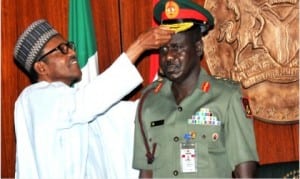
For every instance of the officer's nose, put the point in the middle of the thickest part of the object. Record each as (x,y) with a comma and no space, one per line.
(170,55)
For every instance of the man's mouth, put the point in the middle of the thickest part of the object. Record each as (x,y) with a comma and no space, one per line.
(73,60)
(172,68)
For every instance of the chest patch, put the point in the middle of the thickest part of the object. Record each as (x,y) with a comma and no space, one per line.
(204,117)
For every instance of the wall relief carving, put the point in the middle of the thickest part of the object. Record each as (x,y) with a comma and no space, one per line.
(256,42)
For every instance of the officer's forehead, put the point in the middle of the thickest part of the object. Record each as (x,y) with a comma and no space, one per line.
(182,37)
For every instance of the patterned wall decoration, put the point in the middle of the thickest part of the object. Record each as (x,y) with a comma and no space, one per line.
(256,42)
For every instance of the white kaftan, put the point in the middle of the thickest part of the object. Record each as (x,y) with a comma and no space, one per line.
(52,122)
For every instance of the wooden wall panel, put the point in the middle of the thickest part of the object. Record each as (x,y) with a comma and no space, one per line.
(277,143)
(106,20)
(8,94)
(135,19)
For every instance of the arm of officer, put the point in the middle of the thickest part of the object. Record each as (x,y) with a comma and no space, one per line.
(145,174)
(245,170)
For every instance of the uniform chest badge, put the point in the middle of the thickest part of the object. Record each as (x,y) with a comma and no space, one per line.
(204,117)
(215,136)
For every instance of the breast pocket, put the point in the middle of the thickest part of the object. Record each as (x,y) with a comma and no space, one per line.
(209,141)
(216,148)
(157,135)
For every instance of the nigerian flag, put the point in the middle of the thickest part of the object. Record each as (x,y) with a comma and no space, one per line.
(81,32)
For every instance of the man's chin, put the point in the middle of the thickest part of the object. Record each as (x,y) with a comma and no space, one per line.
(173,77)
(76,80)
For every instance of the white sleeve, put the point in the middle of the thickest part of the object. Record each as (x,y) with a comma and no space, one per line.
(111,142)
(107,89)
(26,165)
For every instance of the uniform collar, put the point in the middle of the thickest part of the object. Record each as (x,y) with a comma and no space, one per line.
(203,84)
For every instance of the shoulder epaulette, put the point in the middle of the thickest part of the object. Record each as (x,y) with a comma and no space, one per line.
(226,79)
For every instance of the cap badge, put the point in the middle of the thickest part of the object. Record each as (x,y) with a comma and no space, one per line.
(171,9)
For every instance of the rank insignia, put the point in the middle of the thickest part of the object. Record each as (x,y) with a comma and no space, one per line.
(171,9)
(246,106)
(205,86)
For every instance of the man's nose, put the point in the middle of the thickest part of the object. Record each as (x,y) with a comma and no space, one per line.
(170,55)
(71,52)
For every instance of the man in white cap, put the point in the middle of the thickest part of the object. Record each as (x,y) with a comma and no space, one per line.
(52,119)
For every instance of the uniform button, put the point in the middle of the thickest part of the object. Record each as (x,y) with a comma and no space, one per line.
(179,108)
(203,136)
(175,172)
(176,139)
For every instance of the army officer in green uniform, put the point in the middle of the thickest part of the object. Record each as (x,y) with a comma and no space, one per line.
(190,124)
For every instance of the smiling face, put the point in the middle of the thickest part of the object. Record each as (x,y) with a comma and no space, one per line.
(180,57)
(59,65)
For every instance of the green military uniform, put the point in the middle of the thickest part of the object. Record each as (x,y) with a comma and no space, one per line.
(215,117)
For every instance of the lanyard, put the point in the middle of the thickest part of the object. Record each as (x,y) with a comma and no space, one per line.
(149,154)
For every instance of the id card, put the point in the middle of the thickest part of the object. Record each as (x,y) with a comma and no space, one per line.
(188,158)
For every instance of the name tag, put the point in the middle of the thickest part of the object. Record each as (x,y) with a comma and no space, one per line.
(157,123)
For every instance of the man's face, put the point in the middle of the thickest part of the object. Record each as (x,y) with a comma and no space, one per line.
(60,66)
(178,58)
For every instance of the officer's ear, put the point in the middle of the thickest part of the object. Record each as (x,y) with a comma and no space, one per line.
(199,47)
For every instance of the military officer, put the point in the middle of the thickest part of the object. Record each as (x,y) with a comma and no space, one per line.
(190,124)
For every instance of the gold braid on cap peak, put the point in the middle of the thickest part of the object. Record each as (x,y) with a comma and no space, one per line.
(179,27)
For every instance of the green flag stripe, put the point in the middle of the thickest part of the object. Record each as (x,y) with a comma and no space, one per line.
(81,30)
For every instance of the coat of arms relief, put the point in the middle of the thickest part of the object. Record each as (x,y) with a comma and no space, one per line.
(256,42)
